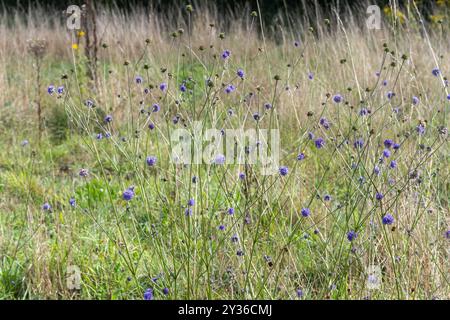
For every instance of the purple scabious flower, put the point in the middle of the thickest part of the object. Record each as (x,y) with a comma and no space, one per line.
(337,98)
(393,164)
(175,119)
(386,153)
(351,235)
(220,159)
(390,95)
(241,176)
(299,293)
(51,89)
(128,194)
(60,90)
(359,144)
(235,238)
(388,143)
(447,234)
(188,212)
(194,179)
(448,97)
(267,106)
(138,79)
(191,202)
(420,129)
(377,73)
(415,100)
(221,227)
(165,291)
(89,103)
(151,161)
(435,72)
(183,88)
(301,156)
(230,211)
(24,143)
(379,196)
(240,73)
(363,112)
(148,294)
(83,173)
(230,88)
(376,170)
(310,76)
(310,135)
(396,146)
(385,83)
(151,126)
(388,219)
(226,54)
(99,136)
(305,212)
(156,107)
(324,122)
(163,86)
(283,171)
(320,143)
(72,202)
(46,207)
(327,197)
(108,118)
(256,116)
(296,44)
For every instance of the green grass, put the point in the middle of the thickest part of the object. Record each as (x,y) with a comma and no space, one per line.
(124,247)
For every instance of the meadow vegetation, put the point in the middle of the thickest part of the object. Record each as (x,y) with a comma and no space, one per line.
(364,158)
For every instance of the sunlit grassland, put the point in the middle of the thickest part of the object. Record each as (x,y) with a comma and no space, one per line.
(124,247)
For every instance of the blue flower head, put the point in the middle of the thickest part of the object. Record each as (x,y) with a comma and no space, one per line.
(230,88)
(108,118)
(320,143)
(337,98)
(388,143)
(148,294)
(226,54)
(435,72)
(388,219)
(351,235)
(220,159)
(51,89)
(151,161)
(128,194)
(305,212)
(420,129)
(283,171)
(358,144)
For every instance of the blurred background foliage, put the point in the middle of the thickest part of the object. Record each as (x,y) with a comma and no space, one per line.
(431,9)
